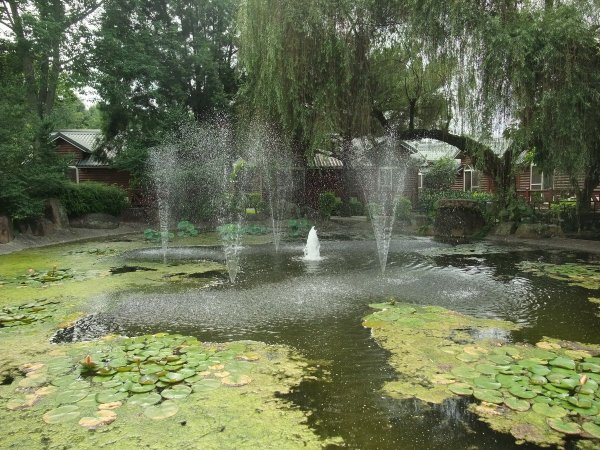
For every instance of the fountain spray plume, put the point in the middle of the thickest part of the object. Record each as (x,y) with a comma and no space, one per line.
(163,164)
(273,161)
(380,165)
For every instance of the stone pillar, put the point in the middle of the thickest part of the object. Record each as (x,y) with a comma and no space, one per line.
(56,213)
(6,230)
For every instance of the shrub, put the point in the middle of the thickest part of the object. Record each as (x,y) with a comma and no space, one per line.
(441,175)
(403,209)
(298,227)
(85,198)
(255,200)
(356,207)
(186,228)
(328,202)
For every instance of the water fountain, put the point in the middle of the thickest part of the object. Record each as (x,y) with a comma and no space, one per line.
(312,250)
(380,166)
(273,160)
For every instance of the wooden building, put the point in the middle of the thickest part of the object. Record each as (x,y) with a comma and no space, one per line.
(78,147)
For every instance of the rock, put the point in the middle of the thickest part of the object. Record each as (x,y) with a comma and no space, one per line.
(458,220)
(504,229)
(97,221)
(6,230)
(41,226)
(56,213)
(537,231)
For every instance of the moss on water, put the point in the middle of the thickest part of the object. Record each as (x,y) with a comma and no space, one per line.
(539,394)
(583,275)
(50,403)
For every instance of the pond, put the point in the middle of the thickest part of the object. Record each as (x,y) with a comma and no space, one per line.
(317,308)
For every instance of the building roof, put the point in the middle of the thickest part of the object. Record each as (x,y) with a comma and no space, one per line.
(322,160)
(86,140)
(430,150)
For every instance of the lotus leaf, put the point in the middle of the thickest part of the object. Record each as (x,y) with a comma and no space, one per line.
(517,404)
(488,395)
(589,367)
(465,372)
(236,380)
(102,418)
(521,392)
(62,414)
(542,399)
(467,357)
(592,429)
(151,369)
(172,377)
(487,369)
(144,400)
(561,361)
(164,410)
(580,401)
(148,379)
(208,384)
(71,396)
(538,379)
(64,380)
(564,427)
(112,384)
(177,392)
(137,388)
(549,411)
(501,359)
(508,380)
(486,383)
(187,373)
(567,383)
(110,396)
(105,371)
(588,412)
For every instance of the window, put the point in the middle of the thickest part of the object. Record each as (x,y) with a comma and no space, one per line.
(471,179)
(420,180)
(539,181)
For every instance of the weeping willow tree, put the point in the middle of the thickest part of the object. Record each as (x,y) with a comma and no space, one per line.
(305,68)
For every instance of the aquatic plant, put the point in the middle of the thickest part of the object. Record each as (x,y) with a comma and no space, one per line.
(13,316)
(552,387)
(583,275)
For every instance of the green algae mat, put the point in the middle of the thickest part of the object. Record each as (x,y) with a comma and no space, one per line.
(155,391)
(544,394)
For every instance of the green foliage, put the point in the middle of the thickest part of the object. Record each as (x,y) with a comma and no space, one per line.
(403,209)
(186,228)
(441,175)
(255,200)
(428,199)
(356,207)
(328,202)
(255,229)
(298,227)
(85,198)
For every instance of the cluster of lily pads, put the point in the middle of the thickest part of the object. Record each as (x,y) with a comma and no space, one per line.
(13,316)
(153,372)
(583,275)
(562,389)
(541,394)
(35,278)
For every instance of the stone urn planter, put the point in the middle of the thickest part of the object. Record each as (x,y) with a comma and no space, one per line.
(458,220)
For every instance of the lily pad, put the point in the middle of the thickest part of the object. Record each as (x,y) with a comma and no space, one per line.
(561,361)
(101,419)
(144,400)
(206,385)
(521,392)
(488,395)
(592,429)
(461,389)
(517,404)
(177,392)
(465,372)
(62,414)
(111,396)
(141,388)
(500,359)
(71,396)
(487,369)
(486,383)
(172,377)
(563,427)
(164,410)
(538,379)
(549,411)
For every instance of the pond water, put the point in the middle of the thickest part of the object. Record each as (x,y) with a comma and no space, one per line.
(317,307)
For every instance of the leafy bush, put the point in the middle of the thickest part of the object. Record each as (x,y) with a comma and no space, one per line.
(255,229)
(566,211)
(428,198)
(403,209)
(89,197)
(441,175)
(298,227)
(186,228)
(255,200)
(155,236)
(328,202)
(356,207)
